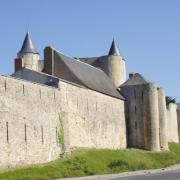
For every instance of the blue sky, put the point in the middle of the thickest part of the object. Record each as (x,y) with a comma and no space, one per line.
(147,33)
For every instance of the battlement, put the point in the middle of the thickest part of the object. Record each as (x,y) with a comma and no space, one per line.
(15,87)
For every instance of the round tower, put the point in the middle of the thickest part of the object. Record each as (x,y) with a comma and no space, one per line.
(151,118)
(114,65)
(162,119)
(27,57)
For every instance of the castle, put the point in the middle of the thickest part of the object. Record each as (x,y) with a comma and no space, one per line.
(52,106)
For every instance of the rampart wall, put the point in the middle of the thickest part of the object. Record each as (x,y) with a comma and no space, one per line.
(178,118)
(95,120)
(29,123)
(142,116)
(31,116)
(172,128)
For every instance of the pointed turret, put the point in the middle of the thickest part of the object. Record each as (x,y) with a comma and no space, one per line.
(114,49)
(114,65)
(28,56)
(28,46)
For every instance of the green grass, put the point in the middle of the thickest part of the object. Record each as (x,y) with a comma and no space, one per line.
(91,162)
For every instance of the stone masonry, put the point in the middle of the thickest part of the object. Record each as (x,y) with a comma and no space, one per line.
(50,107)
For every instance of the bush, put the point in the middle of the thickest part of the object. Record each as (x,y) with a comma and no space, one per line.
(79,164)
(170,100)
(117,163)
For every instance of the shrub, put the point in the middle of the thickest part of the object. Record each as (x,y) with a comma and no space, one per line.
(117,165)
(79,164)
(170,100)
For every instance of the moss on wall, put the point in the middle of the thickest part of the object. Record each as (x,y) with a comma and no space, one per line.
(61,133)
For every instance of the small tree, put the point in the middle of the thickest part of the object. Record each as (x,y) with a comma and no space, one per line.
(170,100)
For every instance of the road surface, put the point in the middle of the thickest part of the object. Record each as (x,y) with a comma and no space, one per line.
(170,175)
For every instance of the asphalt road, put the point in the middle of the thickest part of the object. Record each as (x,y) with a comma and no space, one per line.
(171,175)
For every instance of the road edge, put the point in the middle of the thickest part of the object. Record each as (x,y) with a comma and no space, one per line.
(126,174)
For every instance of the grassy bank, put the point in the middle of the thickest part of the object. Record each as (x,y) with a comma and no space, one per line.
(91,162)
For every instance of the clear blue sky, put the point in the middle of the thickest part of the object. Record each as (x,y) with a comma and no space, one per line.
(146,31)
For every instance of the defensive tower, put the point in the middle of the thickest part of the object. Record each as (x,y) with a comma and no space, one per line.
(28,56)
(114,65)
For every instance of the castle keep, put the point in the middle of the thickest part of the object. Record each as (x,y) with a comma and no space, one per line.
(52,106)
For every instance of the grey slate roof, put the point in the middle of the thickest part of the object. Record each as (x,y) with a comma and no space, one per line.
(89,60)
(93,78)
(28,46)
(135,80)
(114,49)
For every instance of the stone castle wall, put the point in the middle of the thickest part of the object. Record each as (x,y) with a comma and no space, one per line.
(94,120)
(163,122)
(172,127)
(29,122)
(150,125)
(31,114)
(178,119)
(142,116)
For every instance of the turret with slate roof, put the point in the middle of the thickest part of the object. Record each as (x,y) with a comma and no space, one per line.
(114,65)
(27,47)
(28,56)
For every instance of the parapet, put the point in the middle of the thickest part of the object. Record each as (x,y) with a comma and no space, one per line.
(38,77)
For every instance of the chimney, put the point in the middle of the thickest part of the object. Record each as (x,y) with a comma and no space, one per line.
(131,75)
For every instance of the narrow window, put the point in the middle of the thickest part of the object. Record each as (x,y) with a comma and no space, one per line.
(142,96)
(56,136)
(34,131)
(96,106)
(135,94)
(40,93)
(135,124)
(77,102)
(42,134)
(25,129)
(66,97)
(87,105)
(23,89)
(7,132)
(54,95)
(5,85)
(135,109)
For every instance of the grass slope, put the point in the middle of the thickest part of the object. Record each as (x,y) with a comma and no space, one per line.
(91,162)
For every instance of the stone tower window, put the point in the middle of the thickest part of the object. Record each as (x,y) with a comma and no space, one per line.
(135,94)
(142,96)
(7,132)
(42,135)
(25,133)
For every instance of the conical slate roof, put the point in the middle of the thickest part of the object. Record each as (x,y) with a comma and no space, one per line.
(28,46)
(114,49)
